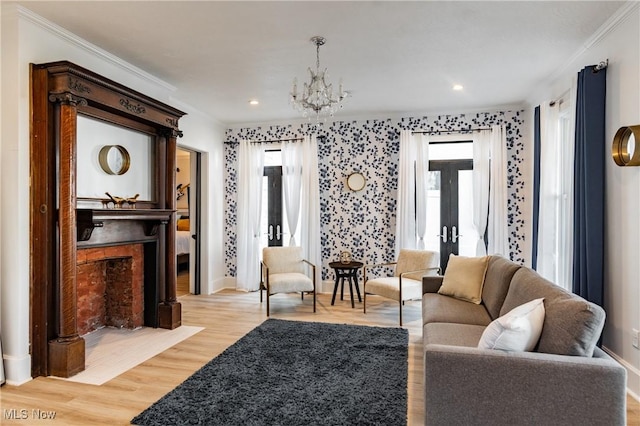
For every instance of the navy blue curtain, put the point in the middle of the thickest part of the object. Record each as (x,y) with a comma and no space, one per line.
(536,187)
(589,175)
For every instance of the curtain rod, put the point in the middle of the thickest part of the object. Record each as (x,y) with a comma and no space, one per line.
(439,132)
(601,65)
(278,140)
(275,140)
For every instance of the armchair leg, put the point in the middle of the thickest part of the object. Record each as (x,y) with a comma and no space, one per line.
(364,299)
(401,303)
(314,301)
(267,303)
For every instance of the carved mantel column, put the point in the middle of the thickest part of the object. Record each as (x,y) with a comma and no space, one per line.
(67,350)
(170,310)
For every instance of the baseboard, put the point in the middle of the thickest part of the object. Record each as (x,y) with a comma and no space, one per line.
(633,374)
(17,369)
(223,284)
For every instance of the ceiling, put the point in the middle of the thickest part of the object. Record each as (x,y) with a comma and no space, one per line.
(394,57)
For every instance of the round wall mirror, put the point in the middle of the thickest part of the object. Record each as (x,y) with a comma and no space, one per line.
(114,159)
(625,150)
(356,181)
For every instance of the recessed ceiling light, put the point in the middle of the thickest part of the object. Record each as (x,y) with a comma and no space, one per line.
(457,87)
(253,102)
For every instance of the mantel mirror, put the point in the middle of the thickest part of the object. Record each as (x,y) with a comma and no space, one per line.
(356,181)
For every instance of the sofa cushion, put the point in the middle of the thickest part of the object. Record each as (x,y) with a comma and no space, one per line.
(440,333)
(517,331)
(439,308)
(464,278)
(496,283)
(572,325)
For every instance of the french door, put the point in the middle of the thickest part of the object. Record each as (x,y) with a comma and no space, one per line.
(450,209)
(272,193)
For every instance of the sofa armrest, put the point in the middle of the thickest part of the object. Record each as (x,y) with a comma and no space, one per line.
(474,386)
(431,284)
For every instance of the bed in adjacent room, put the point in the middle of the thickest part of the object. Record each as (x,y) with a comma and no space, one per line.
(183,242)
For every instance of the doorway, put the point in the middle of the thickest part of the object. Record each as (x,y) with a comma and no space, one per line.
(275,229)
(450,200)
(188,249)
(273,182)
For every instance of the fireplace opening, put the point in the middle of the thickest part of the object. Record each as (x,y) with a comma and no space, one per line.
(110,287)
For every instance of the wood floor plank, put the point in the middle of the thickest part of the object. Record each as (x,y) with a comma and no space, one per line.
(226,317)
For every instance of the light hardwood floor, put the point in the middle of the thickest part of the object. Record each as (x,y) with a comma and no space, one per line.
(226,316)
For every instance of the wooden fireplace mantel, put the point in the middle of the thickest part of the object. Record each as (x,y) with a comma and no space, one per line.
(150,219)
(61,223)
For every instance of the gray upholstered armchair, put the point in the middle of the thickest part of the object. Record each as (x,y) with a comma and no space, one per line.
(406,283)
(282,270)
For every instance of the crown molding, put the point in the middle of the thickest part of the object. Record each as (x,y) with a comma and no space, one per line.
(609,25)
(58,31)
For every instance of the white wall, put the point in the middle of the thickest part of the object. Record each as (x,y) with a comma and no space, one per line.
(618,41)
(27,38)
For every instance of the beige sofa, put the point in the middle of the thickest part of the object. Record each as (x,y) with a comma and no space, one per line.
(565,380)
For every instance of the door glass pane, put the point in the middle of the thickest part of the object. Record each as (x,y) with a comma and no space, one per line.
(468,237)
(432,241)
(273,158)
(451,151)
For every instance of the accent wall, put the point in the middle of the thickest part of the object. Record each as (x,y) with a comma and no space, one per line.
(364,222)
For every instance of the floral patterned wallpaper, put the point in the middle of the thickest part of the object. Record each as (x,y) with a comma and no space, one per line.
(364,222)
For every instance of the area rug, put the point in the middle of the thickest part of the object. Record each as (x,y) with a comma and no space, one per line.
(112,351)
(295,373)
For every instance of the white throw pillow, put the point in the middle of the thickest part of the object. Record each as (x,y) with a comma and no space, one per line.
(519,330)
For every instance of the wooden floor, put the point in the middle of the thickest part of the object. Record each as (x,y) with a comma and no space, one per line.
(226,316)
(182,283)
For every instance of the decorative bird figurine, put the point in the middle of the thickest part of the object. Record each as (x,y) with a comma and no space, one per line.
(132,201)
(117,201)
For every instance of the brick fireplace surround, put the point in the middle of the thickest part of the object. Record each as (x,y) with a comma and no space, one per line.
(110,284)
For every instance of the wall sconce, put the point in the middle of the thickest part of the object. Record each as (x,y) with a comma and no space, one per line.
(625,150)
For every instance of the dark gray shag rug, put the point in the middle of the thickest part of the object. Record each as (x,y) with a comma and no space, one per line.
(295,373)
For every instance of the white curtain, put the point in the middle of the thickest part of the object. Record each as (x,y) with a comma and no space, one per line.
(549,191)
(406,207)
(422,181)
(413,177)
(310,232)
(555,215)
(480,173)
(292,183)
(250,171)
(498,234)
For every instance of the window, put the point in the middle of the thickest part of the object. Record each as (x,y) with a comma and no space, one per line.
(555,228)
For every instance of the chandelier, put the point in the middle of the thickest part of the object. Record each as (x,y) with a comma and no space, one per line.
(317,96)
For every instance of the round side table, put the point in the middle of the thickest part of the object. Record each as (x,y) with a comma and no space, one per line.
(347,271)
